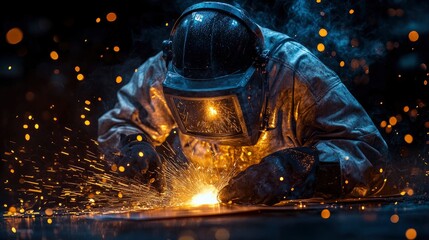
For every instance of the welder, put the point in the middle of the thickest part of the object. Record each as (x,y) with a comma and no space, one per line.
(242,95)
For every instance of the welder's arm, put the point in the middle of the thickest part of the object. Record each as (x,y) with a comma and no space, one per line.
(140,109)
(140,120)
(285,174)
(341,154)
(138,160)
(352,153)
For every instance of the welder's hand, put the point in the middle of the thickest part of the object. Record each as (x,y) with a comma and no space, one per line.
(140,161)
(286,174)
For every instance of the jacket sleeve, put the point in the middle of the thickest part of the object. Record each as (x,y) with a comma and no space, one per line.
(140,109)
(352,152)
(343,133)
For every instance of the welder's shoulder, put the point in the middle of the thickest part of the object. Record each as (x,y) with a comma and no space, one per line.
(285,49)
(291,53)
(301,62)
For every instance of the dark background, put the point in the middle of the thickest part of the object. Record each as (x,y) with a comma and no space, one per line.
(383,69)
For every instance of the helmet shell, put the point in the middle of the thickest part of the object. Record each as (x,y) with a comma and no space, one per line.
(209,43)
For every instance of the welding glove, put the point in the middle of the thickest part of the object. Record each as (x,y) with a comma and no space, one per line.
(286,174)
(142,163)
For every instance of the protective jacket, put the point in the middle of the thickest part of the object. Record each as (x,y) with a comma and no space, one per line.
(309,106)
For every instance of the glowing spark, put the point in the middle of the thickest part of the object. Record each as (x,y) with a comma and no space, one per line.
(393,120)
(80,77)
(323,32)
(54,55)
(394,218)
(12,210)
(212,111)
(139,138)
(105,189)
(49,212)
(114,168)
(207,196)
(34,190)
(413,36)
(111,17)
(325,214)
(14,36)
(408,138)
(411,233)
(320,47)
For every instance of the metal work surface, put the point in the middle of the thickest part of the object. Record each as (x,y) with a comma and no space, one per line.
(390,218)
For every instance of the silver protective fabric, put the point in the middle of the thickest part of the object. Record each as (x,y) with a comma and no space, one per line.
(322,113)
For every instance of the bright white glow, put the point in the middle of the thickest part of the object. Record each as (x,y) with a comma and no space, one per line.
(212,111)
(205,197)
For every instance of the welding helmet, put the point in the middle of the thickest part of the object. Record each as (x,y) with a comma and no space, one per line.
(215,83)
